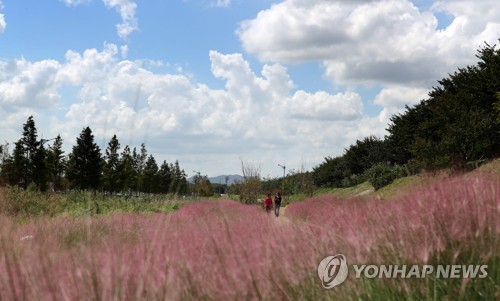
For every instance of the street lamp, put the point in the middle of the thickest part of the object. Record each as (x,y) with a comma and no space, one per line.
(284,168)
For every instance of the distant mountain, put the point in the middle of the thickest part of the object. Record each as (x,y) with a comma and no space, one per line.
(222,179)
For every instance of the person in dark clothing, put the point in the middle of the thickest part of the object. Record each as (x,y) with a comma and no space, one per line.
(277,204)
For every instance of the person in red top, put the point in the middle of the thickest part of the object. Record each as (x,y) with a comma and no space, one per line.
(268,202)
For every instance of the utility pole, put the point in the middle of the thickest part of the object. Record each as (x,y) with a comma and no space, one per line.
(283,181)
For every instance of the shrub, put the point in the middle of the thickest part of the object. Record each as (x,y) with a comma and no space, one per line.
(18,202)
(381,174)
(250,188)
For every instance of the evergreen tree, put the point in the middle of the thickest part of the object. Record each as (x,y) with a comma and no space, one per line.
(5,164)
(457,123)
(365,153)
(179,183)
(56,163)
(496,106)
(165,177)
(16,165)
(151,176)
(126,171)
(40,168)
(29,160)
(85,162)
(111,176)
(331,172)
(139,164)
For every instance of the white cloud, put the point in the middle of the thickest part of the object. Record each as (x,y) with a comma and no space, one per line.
(3,24)
(28,84)
(127,10)
(92,66)
(324,106)
(221,3)
(477,10)
(393,100)
(388,42)
(124,51)
(257,117)
(75,2)
(391,44)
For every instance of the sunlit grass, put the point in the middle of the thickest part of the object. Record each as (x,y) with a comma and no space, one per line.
(347,191)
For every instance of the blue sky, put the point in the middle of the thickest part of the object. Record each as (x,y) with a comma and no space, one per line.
(211,83)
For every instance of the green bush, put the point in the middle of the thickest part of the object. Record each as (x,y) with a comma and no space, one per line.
(28,202)
(18,202)
(381,174)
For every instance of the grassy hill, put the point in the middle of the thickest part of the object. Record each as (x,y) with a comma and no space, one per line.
(406,184)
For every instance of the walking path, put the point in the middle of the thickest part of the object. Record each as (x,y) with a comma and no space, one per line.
(282,217)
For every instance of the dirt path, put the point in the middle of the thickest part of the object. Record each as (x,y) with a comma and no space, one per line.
(368,191)
(282,211)
(282,218)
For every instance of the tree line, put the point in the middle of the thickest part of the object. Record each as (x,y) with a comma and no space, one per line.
(86,168)
(457,126)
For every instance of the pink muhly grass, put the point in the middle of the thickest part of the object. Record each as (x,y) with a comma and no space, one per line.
(451,216)
(209,250)
(222,250)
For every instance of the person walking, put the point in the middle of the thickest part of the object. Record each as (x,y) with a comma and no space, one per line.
(268,202)
(277,204)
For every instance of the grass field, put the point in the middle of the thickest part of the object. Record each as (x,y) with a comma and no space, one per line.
(223,250)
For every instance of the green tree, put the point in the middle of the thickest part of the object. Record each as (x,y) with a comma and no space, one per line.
(361,155)
(56,163)
(16,165)
(29,159)
(5,164)
(151,176)
(40,168)
(126,171)
(251,187)
(457,123)
(299,181)
(165,174)
(111,176)
(331,172)
(202,186)
(497,107)
(402,132)
(85,162)
(139,163)
(179,184)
